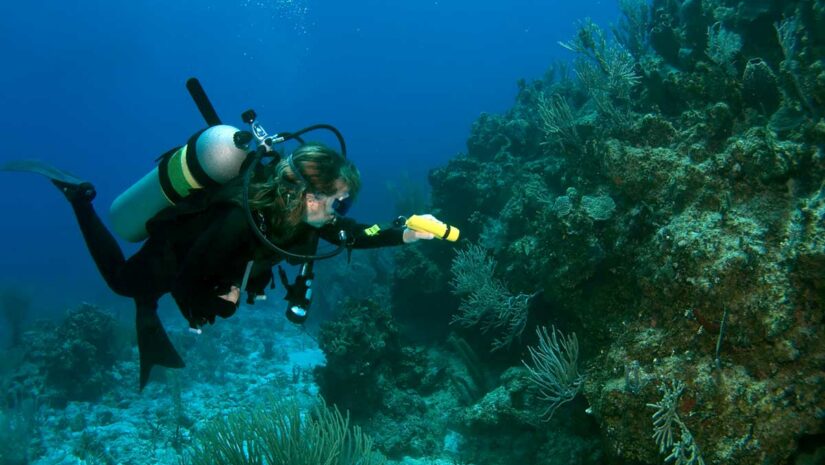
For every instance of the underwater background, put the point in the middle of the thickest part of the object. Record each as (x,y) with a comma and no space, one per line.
(640,192)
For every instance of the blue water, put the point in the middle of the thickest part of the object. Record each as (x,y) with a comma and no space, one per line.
(97,88)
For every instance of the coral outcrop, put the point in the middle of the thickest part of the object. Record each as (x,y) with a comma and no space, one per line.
(666,205)
(70,361)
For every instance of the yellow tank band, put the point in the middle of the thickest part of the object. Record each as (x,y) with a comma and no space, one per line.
(179,176)
(190,180)
(372,230)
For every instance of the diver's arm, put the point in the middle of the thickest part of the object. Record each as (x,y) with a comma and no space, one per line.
(194,289)
(362,236)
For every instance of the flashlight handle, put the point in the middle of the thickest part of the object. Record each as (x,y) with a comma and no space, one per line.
(431,225)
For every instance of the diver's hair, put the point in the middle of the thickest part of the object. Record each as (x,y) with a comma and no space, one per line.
(280,194)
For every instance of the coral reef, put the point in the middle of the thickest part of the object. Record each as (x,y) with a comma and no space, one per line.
(228,369)
(72,360)
(394,389)
(444,401)
(362,347)
(666,205)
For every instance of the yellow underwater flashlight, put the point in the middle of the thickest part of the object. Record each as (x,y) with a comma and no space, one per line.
(431,225)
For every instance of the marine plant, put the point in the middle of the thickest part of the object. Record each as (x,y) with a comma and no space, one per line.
(281,433)
(487,302)
(685,451)
(606,70)
(555,368)
(633,30)
(558,121)
(723,46)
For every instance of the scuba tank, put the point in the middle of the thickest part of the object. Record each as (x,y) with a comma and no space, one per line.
(210,158)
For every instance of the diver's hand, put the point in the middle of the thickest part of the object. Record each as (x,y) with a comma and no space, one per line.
(233,295)
(411,235)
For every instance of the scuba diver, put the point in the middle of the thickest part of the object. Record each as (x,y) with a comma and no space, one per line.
(214,221)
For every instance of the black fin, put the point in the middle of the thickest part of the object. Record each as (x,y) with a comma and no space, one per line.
(71,186)
(154,346)
(42,168)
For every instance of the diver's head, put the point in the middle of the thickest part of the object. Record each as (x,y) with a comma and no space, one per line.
(329,182)
(322,209)
(313,185)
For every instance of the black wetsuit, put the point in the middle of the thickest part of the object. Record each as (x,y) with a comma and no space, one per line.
(197,253)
